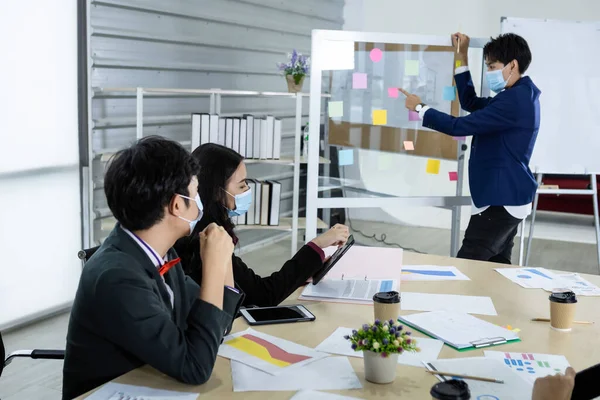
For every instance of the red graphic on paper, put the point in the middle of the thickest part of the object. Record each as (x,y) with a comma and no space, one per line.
(277,352)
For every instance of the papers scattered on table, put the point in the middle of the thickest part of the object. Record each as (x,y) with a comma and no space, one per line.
(541,278)
(576,284)
(312,395)
(336,344)
(363,262)
(117,391)
(267,353)
(513,388)
(531,365)
(331,373)
(432,273)
(447,302)
(459,330)
(348,290)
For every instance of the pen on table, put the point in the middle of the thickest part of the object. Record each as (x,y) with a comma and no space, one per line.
(473,378)
(575,322)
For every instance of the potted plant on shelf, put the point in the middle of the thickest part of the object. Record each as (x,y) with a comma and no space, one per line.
(381,344)
(295,71)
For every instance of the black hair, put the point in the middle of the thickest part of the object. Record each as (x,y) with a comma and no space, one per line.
(508,47)
(140,181)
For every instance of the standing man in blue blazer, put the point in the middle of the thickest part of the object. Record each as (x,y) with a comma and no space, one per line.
(504,130)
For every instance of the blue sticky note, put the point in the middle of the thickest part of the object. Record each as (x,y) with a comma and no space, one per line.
(346,157)
(449,93)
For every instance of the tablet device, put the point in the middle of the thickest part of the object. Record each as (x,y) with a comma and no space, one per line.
(332,260)
(586,384)
(277,315)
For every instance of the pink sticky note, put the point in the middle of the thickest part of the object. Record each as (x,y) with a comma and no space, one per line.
(413,115)
(359,80)
(376,55)
(453,176)
(408,145)
(393,92)
(459,137)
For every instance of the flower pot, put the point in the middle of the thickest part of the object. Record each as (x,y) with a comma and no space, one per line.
(380,369)
(292,86)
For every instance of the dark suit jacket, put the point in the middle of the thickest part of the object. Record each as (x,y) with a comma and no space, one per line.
(504,130)
(122,319)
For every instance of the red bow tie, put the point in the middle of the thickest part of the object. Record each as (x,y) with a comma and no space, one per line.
(168,265)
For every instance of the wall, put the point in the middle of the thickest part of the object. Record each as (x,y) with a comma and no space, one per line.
(476,18)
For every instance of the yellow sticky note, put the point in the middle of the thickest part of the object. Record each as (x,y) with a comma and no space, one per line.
(458,63)
(411,67)
(433,167)
(379,117)
(336,109)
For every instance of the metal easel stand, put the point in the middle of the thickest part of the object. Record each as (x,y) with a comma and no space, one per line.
(593,192)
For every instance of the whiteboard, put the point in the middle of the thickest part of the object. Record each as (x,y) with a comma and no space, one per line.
(566,68)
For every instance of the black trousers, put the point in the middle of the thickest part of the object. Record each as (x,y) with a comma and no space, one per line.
(490,236)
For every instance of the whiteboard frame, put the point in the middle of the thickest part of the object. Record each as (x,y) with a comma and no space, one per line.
(313,202)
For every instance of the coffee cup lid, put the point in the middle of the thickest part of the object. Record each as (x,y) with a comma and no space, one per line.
(387,297)
(563,297)
(453,389)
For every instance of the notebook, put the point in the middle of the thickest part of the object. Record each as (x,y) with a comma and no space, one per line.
(221,135)
(214,129)
(459,330)
(236,135)
(274,202)
(249,136)
(243,137)
(264,204)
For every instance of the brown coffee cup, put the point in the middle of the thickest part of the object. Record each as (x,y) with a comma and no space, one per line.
(453,389)
(386,306)
(562,310)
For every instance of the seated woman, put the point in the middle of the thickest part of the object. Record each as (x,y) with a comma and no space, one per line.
(224,193)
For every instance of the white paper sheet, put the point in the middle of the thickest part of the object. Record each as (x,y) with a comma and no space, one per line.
(513,388)
(576,284)
(432,273)
(347,290)
(447,302)
(364,262)
(531,365)
(129,392)
(530,278)
(336,344)
(313,395)
(331,373)
(267,353)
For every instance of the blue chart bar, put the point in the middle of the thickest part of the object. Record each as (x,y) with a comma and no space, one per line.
(520,363)
(507,361)
(514,362)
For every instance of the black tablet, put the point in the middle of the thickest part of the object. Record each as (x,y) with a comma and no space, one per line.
(332,260)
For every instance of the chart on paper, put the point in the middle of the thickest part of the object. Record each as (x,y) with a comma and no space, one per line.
(432,273)
(531,365)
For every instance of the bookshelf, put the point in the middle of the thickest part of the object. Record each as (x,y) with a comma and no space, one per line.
(292,224)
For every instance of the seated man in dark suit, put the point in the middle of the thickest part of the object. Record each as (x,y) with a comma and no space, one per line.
(134,304)
(504,130)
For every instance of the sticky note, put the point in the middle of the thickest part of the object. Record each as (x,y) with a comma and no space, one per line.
(336,55)
(413,115)
(453,176)
(359,80)
(459,138)
(336,109)
(346,157)
(393,92)
(433,167)
(385,161)
(449,93)
(408,145)
(376,55)
(458,64)
(411,67)
(379,117)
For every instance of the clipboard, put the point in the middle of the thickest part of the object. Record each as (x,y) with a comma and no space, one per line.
(462,332)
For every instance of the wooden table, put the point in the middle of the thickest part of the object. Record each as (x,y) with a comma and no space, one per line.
(515,306)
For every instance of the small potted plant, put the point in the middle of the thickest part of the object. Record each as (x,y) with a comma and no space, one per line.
(381,344)
(295,71)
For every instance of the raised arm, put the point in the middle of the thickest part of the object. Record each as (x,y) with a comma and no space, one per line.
(469,101)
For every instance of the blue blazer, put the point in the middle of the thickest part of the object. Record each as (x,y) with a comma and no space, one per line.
(504,130)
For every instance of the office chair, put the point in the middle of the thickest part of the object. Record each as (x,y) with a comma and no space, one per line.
(34,354)
(85,254)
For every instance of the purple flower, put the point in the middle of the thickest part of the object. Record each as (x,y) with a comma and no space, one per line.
(391,322)
(385,341)
(408,333)
(392,331)
(365,327)
(400,327)
(400,350)
(408,341)
(384,354)
(377,322)
(346,337)
(398,334)
(354,346)
(354,332)
(294,57)
(365,342)
(374,329)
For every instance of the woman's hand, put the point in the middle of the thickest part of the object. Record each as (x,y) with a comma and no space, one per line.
(336,236)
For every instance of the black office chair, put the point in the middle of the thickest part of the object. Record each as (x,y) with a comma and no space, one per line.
(85,254)
(34,354)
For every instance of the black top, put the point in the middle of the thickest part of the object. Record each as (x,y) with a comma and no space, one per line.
(122,318)
(262,292)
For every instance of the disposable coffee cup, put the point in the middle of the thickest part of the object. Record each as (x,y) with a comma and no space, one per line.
(451,390)
(562,310)
(386,306)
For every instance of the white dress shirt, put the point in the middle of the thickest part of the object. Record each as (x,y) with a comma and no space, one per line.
(519,212)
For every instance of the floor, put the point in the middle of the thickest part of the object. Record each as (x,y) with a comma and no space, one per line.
(32,380)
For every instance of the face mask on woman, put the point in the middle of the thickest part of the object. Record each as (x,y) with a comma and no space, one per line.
(242,203)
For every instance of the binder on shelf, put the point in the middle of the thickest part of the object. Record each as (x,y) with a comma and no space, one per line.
(274,202)
(257,202)
(243,137)
(251,210)
(214,129)
(277,140)
(242,219)
(196,129)
(263,139)
(264,204)
(257,137)
(270,136)
(235,145)
(249,136)
(222,128)
(229,133)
